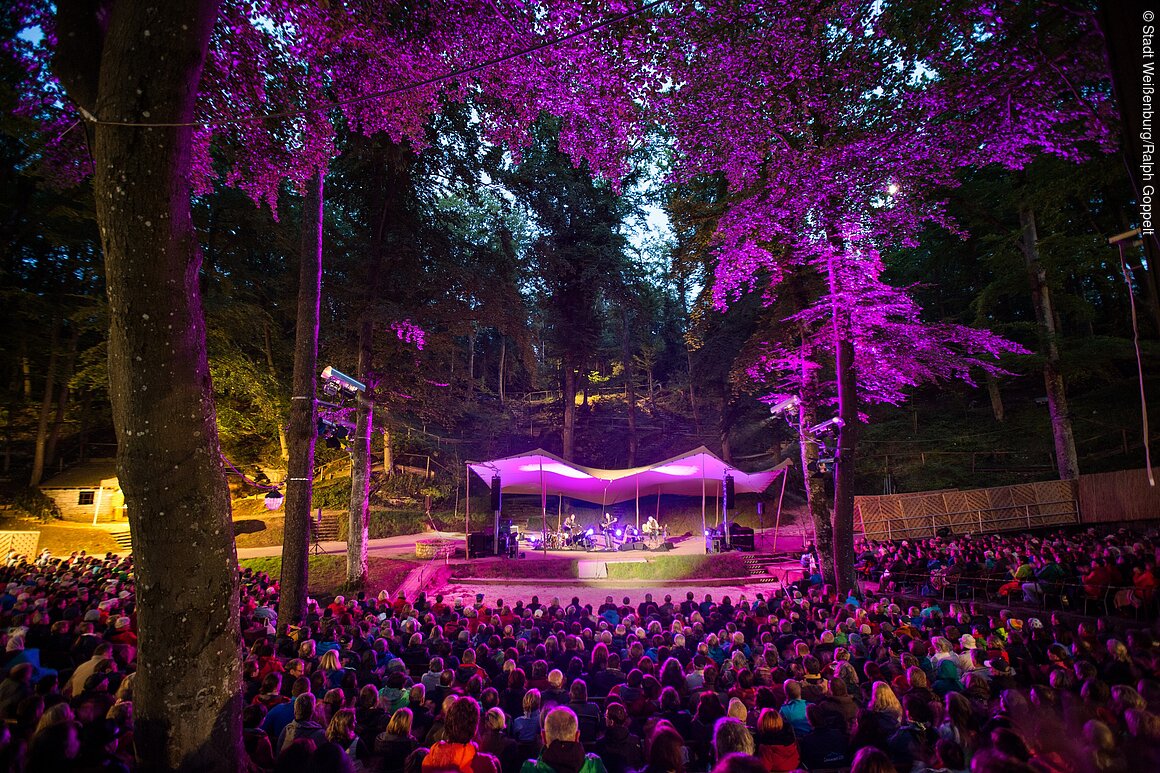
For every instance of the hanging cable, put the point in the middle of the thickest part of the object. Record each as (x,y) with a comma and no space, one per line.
(548,43)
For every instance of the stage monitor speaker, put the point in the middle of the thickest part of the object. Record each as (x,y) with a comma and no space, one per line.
(496,494)
(743,542)
(480,544)
(741,537)
(664,547)
(635,545)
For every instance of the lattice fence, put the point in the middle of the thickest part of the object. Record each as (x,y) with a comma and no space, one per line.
(23,543)
(1004,508)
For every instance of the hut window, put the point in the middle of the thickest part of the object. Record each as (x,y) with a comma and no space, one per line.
(85,497)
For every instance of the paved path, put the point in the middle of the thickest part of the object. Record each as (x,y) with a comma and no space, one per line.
(589,594)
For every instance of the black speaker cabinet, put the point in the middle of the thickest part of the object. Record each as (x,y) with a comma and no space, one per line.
(637,545)
(480,544)
(741,537)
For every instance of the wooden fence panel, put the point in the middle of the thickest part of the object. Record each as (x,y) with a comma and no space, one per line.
(1111,497)
(22,543)
(1004,508)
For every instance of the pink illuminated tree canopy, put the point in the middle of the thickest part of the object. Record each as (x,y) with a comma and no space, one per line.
(838,125)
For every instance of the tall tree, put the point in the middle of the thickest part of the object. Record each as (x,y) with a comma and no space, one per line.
(137,64)
(300,435)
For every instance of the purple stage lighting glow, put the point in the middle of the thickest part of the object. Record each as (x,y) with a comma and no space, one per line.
(683,470)
(556,467)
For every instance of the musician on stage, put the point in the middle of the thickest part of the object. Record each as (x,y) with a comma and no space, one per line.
(569,528)
(651,528)
(607,522)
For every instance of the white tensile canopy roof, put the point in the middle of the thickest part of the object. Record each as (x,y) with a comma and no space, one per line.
(690,474)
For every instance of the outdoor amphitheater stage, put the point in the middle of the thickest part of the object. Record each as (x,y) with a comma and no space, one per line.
(543,573)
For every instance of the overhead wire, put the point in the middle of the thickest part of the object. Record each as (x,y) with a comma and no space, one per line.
(456,73)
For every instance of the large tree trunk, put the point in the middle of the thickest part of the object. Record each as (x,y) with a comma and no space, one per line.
(814,481)
(45,408)
(846,442)
(301,435)
(1066,459)
(629,389)
(187,695)
(844,468)
(360,466)
(568,383)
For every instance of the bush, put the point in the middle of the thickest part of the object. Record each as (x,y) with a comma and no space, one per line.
(333,497)
(37,504)
(388,523)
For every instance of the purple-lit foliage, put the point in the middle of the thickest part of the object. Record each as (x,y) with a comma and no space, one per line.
(409,333)
(840,125)
(282,73)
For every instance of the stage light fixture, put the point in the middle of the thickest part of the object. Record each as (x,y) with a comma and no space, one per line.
(788,404)
(340,382)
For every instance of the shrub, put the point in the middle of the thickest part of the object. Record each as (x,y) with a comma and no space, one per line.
(37,504)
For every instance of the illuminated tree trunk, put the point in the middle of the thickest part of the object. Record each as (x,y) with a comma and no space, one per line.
(302,432)
(1066,459)
(814,482)
(844,468)
(133,62)
(388,450)
(360,468)
(843,555)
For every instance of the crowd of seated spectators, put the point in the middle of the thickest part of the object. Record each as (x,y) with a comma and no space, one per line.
(778,681)
(1057,570)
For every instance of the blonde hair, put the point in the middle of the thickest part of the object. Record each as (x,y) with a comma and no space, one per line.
(494,719)
(556,678)
(737,709)
(341,727)
(531,701)
(329,661)
(400,723)
(883,699)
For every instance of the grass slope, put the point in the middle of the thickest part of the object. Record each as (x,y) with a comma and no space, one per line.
(327,572)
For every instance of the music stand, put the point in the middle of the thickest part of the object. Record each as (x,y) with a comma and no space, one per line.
(316,546)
